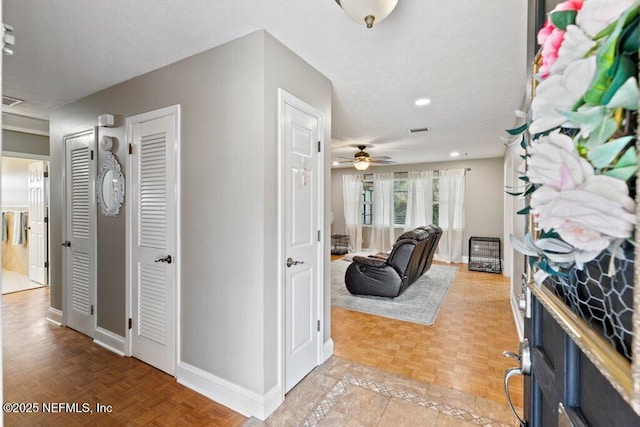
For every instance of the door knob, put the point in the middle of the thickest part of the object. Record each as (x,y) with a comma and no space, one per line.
(291,262)
(66,243)
(166,259)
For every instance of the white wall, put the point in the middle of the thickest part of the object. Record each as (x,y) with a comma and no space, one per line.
(15,182)
(483,195)
(229,201)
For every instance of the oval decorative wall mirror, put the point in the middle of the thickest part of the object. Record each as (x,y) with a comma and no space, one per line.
(110,186)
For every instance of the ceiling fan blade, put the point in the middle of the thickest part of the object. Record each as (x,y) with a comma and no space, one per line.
(383,162)
(381,158)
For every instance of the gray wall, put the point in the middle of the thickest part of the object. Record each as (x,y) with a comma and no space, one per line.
(25,143)
(228,97)
(484,192)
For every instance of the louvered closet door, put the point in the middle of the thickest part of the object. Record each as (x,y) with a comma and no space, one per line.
(80,232)
(153,245)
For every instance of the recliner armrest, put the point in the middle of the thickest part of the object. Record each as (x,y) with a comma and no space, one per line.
(370,262)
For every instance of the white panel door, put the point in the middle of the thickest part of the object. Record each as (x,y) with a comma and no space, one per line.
(37,228)
(153,235)
(80,232)
(301,201)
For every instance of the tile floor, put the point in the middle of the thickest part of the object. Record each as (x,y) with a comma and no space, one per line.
(343,393)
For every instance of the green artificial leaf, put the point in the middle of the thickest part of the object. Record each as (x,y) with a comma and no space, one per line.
(602,155)
(624,174)
(523,143)
(551,234)
(626,167)
(630,37)
(524,211)
(518,130)
(530,190)
(606,60)
(511,193)
(524,178)
(626,96)
(562,18)
(629,158)
(625,69)
(592,115)
(601,133)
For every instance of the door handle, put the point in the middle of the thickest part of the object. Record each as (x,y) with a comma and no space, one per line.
(66,243)
(291,262)
(524,359)
(166,259)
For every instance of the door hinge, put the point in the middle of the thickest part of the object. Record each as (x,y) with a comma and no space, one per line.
(319,236)
(46,264)
(46,219)
(46,174)
(318,326)
(130,148)
(130,323)
(319,146)
(92,309)
(91,154)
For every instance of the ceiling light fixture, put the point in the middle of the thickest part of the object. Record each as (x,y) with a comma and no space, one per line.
(454,154)
(335,163)
(422,102)
(361,163)
(367,11)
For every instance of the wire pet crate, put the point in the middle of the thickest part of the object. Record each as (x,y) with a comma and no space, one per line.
(485,254)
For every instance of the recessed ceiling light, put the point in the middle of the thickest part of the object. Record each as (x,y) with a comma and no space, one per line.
(335,163)
(454,154)
(422,102)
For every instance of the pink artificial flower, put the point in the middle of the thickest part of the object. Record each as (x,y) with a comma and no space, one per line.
(550,38)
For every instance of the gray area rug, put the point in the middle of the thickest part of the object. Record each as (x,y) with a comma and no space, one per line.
(419,303)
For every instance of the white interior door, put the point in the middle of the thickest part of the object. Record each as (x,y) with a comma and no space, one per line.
(80,232)
(300,142)
(37,227)
(152,197)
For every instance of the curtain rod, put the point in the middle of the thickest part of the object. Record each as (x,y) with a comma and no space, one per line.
(433,170)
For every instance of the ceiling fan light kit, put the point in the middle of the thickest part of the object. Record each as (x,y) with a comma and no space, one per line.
(367,11)
(361,164)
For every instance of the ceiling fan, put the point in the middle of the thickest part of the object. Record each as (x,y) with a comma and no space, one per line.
(362,160)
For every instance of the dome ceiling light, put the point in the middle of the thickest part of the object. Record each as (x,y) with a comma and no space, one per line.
(367,11)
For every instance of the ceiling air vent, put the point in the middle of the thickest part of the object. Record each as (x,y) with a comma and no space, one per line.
(415,130)
(8,101)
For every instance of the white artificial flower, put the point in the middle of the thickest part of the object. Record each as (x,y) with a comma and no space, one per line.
(575,46)
(595,15)
(555,162)
(560,93)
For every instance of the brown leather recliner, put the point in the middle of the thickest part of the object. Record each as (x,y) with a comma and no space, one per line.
(409,259)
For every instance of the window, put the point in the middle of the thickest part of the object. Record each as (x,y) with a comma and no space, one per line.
(400,191)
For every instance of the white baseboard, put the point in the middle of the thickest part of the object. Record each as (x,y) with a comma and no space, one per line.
(465,259)
(54,316)
(239,399)
(327,350)
(110,341)
(518,317)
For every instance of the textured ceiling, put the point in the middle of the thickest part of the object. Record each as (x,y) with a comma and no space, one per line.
(467,57)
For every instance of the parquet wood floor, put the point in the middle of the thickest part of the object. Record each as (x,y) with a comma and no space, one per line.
(461,351)
(47,364)
(44,363)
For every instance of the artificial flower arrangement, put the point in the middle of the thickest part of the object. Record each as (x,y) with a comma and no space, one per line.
(579,137)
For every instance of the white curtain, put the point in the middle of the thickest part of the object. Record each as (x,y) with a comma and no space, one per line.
(451,214)
(382,231)
(419,199)
(352,199)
